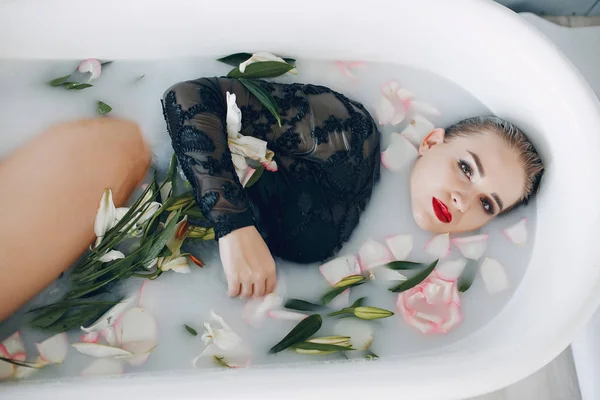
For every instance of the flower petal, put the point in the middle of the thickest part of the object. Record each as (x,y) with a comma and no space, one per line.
(105,217)
(7,370)
(179,264)
(517,233)
(233,119)
(13,344)
(390,88)
(90,337)
(400,154)
(166,191)
(439,245)
(91,66)
(451,269)
(400,246)
(137,325)
(247,174)
(471,247)
(270,166)
(494,276)
(454,318)
(100,350)
(373,254)
(418,128)
(54,349)
(111,256)
(110,317)
(339,268)
(384,275)
(259,57)
(120,213)
(149,212)
(256,309)
(109,334)
(421,107)
(385,111)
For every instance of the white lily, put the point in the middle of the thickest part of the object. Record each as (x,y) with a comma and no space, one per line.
(243,147)
(105,217)
(135,229)
(261,57)
(111,256)
(221,341)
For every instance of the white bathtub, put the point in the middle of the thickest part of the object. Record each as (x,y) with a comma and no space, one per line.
(483,47)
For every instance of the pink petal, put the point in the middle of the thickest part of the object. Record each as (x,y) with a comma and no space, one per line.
(345,70)
(400,246)
(451,269)
(137,325)
(19,356)
(3,352)
(400,154)
(110,335)
(270,166)
(339,268)
(384,275)
(404,95)
(103,366)
(494,275)
(401,110)
(287,315)
(100,350)
(517,233)
(471,247)
(454,318)
(373,254)
(54,350)
(90,337)
(385,111)
(418,128)
(424,108)
(91,65)
(256,309)
(390,88)
(342,300)
(439,245)
(424,327)
(13,344)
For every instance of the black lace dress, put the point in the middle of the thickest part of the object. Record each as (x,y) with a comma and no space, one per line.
(327,152)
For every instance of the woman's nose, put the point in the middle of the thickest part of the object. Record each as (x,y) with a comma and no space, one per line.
(460,201)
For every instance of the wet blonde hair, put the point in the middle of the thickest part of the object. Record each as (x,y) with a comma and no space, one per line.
(515,138)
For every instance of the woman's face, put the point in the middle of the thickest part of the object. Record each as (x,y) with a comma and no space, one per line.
(460,185)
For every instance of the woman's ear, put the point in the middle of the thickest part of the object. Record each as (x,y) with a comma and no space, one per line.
(434,137)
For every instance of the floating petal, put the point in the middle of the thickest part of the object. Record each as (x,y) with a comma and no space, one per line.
(400,246)
(385,111)
(471,247)
(91,66)
(400,154)
(137,325)
(439,245)
(451,269)
(339,268)
(13,344)
(494,276)
(90,337)
(111,256)
(100,350)
(373,254)
(54,350)
(108,318)
(517,233)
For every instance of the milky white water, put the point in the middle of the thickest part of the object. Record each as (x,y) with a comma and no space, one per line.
(27,105)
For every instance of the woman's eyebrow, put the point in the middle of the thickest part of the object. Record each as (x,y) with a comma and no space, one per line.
(498,201)
(477,163)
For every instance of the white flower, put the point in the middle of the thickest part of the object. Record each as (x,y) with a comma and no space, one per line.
(111,256)
(222,341)
(91,66)
(243,147)
(105,217)
(260,57)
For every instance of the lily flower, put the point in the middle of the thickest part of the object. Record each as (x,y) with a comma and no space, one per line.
(244,147)
(105,217)
(222,342)
(91,66)
(261,57)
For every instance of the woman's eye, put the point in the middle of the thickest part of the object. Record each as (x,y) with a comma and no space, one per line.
(488,207)
(466,168)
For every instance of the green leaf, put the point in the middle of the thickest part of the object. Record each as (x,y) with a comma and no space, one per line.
(265,97)
(194,213)
(415,280)
(77,85)
(59,81)
(102,108)
(320,347)
(262,69)
(358,302)
(351,280)
(161,240)
(76,317)
(343,311)
(333,293)
(255,177)
(172,170)
(301,305)
(305,329)
(221,361)
(237,58)
(467,276)
(404,265)
(47,318)
(191,330)
(371,356)
(165,252)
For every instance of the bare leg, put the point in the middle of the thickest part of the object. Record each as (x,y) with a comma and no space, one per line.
(50,192)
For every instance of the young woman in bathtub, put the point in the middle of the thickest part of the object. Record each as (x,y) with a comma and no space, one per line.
(327,153)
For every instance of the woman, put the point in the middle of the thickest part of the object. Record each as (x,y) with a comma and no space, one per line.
(327,150)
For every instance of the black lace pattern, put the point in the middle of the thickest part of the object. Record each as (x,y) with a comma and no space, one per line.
(327,152)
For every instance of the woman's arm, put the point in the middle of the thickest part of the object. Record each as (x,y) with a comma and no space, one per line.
(51,188)
(195,112)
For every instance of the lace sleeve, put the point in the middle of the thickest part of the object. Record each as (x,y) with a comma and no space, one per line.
(195,113)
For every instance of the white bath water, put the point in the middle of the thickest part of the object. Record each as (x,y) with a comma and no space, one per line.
(134,89)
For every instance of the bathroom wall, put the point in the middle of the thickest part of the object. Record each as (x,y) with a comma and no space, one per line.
(554,7)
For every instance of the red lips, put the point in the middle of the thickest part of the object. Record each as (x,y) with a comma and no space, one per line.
(441,211)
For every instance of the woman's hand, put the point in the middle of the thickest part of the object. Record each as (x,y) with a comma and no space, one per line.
(248,263)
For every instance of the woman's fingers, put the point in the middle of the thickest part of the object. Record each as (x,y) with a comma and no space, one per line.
(270,284)
(259,287)
(234,286)
(247,289)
